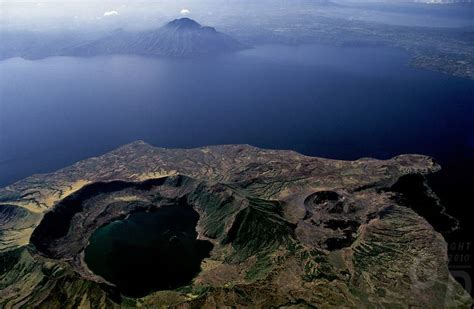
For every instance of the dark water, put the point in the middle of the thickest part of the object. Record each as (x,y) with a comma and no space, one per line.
(333,102)
(148,251)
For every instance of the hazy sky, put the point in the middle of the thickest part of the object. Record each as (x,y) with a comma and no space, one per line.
(104,14)
(71,14)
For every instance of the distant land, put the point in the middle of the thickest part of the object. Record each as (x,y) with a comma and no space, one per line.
(445,50)
(278,229)
(448,50)
(182,37)
(442,1)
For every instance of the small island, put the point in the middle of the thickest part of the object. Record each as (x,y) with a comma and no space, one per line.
(266,227)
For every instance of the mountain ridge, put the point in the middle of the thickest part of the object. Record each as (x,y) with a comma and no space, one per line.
(182,37)
(286,229)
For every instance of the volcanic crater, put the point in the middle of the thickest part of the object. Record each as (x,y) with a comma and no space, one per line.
(231,225)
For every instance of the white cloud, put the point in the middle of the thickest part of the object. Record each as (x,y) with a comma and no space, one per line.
(185,12)
(110,13)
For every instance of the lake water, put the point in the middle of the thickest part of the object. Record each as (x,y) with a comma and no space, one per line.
(148,251)
(333,102)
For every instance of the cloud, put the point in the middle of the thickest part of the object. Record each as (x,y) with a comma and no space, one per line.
(185,12)
(110,13)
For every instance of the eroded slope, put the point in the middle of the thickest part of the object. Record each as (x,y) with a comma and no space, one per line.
(286,229)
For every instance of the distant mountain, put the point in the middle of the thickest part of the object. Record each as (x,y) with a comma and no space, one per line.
(182,37)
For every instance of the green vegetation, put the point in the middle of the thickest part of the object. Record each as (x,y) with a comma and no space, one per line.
(267,252)
(258,228)
(262,267)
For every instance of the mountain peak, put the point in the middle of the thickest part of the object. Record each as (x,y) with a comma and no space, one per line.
(183,23)
(181,37)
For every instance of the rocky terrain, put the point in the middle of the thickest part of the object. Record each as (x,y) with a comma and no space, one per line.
(287,230)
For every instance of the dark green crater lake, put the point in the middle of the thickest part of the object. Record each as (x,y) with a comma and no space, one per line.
(148,251)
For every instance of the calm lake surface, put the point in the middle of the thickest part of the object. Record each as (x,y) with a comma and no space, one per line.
(324,101)
(148,251)
(332,102)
